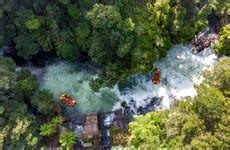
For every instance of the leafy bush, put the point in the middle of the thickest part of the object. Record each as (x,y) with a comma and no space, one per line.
(219,76)
(67,139)
(50,127)
(223,45)
(47,129)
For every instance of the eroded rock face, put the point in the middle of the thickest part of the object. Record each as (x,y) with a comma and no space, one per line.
(202,41)
(206,39)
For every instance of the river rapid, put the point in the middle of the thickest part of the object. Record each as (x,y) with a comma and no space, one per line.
(181,69)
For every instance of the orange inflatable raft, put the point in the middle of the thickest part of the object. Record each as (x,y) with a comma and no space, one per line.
(66,99)
(156,76)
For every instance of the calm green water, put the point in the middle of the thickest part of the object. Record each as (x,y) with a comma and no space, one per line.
(63,77)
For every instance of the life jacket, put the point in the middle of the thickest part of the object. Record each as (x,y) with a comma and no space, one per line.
(156,76)
(66,99)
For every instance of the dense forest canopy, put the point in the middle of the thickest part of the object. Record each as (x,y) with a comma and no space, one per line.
(122,36)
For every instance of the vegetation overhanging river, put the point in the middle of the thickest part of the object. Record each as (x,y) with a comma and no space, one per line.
(181,70)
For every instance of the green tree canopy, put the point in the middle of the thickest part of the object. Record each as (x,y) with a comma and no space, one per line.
(219,76)
(27,83)
(124,36)
(44,102)
(8,75)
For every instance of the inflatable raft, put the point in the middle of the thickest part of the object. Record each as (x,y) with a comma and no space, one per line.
(156,76)
(68,100)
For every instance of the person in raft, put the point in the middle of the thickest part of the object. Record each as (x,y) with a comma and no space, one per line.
(156,76)
(67,100)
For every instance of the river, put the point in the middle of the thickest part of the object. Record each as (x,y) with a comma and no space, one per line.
(181,69)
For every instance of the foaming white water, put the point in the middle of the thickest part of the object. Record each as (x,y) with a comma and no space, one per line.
(180,71)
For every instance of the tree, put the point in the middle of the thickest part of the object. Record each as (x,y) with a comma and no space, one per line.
(223,47)
(82,32)
(68,51)
(209,105)
(103,16)
(24,49)
(27,83)
(44,102)
(33,24)
(21,127)
(18,128)
(47,129)
(146,130)
(8,75)
(73,11)
(50,128)
(67,139)
(219,76)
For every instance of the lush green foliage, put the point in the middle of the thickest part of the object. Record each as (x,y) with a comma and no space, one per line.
(124,36)
(44,102)
(67,139)
(27,83)
(223,45)
(47,129)
(18,128)
(50,127)
(18,125)
(200,122)
(219,76)
(8,76)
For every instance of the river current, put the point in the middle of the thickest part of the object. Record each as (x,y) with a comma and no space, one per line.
(181,69)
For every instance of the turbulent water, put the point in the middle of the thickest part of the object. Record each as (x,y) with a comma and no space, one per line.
(180,70)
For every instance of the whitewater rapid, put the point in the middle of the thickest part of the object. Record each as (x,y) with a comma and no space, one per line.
(181,69)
